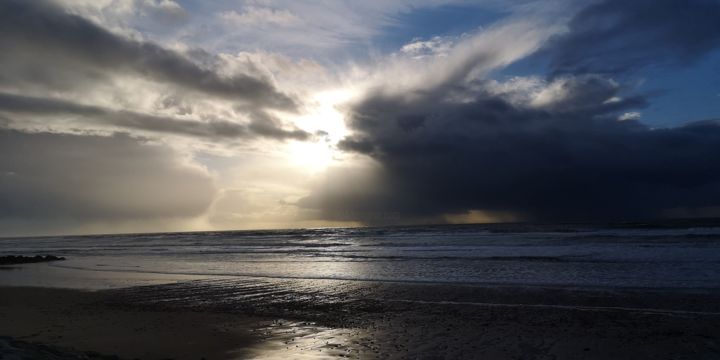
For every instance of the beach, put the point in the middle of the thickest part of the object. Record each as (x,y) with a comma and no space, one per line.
(257,318)
(366,294)
(81,320)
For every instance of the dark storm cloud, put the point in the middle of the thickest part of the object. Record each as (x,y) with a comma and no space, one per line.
(614,36)
(537,164)
(262,126)
(564,155)
(40,42)
(48,177)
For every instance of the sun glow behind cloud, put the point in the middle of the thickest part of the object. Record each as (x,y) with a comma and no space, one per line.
(327,120)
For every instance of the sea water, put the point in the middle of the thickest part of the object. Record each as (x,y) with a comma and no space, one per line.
(677,255)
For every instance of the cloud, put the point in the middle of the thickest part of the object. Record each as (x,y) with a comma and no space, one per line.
(631,115)
(44,37)
(470,58)
(44,108)
(435,46)
(526,148)
(119,14)
(48,178)
(167,12)
(324,30)
(62,71)
(261,16)
(440,157)
(616,36)
(437,132)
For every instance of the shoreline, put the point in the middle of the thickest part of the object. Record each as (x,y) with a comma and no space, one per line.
(168,276)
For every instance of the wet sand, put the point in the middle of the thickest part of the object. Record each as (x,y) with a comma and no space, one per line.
(82,321)
(292,318)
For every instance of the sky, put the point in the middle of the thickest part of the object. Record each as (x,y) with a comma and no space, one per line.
(190,115)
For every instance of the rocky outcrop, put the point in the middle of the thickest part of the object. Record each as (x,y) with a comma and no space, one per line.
(17,259)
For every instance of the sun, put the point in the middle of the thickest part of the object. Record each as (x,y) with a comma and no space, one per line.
(311,156)
(328,121)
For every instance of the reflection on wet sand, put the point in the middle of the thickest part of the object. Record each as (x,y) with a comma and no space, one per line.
(260,318)
(305,340)
(369,320)
(270,318)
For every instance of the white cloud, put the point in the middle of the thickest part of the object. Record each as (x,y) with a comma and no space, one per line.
(166,11)
(632,115)
(435,46)
(469,58)
(126,16)
(261,16)
(303,27)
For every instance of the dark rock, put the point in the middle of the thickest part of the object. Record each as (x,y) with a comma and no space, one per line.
(19,259)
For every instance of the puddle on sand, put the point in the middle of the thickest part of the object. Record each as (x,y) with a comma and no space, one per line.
(304,340)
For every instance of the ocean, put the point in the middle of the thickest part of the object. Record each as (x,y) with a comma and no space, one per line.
(677,255)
